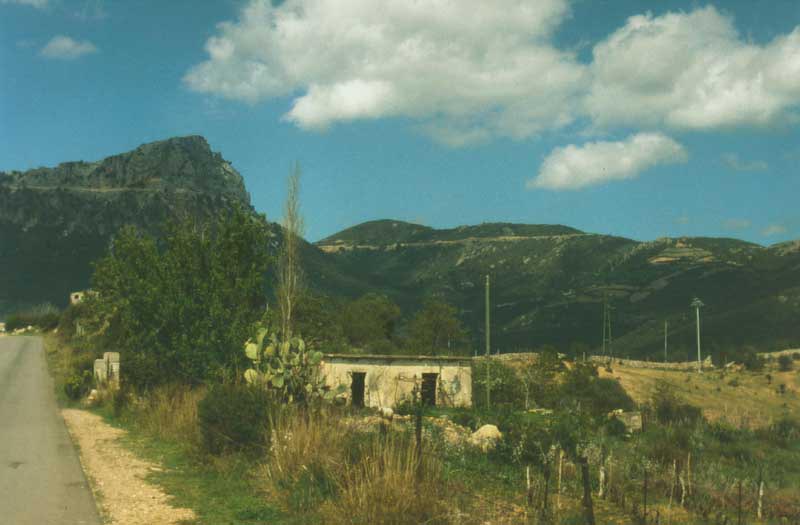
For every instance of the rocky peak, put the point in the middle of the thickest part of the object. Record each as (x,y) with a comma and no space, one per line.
(180,164)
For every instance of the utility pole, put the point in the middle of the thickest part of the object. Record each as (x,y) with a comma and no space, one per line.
(488,346)
(607,339)
(697,304)
(605,316)
(666,328)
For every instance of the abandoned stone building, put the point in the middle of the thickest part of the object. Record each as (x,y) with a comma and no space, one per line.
(387,380)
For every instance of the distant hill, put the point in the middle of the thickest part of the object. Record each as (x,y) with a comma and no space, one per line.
(387,232)
(55,221)
(549,283)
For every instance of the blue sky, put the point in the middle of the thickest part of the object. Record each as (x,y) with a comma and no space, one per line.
(633,118)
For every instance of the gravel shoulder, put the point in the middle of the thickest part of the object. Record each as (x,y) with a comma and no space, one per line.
(118,477)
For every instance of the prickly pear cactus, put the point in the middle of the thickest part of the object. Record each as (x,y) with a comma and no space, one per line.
(287,367)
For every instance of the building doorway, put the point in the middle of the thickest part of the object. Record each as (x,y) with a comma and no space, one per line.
(357,389)
(429,389)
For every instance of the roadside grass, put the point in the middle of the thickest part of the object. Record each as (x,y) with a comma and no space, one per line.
(221,492)
(61,360)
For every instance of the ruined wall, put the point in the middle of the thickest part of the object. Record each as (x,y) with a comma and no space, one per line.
(391,380)
(685,366)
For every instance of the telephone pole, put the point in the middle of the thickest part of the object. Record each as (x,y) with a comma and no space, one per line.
(607,339)
(697,304)
(488,346)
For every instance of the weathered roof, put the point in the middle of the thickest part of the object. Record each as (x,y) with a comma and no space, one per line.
(386,357)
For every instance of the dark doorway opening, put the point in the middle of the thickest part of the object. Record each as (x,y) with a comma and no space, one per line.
(357,389)
(429,389)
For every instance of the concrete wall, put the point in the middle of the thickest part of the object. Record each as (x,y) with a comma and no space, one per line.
(391,379)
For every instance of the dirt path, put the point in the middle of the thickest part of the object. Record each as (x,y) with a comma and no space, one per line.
(117,476)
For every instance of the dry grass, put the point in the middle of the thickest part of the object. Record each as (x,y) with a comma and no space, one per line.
(352,477)
(169,413)
(745,399)
(388,486)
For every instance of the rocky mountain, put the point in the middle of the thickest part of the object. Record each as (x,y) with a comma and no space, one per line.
(55,221)
(549,284)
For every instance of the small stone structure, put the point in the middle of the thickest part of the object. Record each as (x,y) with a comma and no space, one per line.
(106,370)
(387,380)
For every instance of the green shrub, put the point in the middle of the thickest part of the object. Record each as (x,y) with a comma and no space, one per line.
(44,316)
(466,419)
(753,362)
(234,418)
(668,408)
(785,363)
(782,432)
(78,384)
(598,396)
(504,384)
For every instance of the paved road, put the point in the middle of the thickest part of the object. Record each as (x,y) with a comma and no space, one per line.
(41,481)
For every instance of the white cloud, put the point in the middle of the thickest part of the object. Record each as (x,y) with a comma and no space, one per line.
(465,71)
(469,70)
(65,48)
(575,167)
(736,224)
(733,161)
(773,229)
(692,71)
(38,4)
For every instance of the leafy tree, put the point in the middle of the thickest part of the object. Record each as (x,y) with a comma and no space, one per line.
(317,321)
(181,310)
(502,380)
(538,377)
(594,395)
(785,363)
(371,319)
(436,329)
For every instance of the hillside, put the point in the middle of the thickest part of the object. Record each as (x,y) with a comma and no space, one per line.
(55,221)
(549,283)
(742,398)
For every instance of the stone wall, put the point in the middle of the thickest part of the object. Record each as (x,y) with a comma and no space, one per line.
(390,380)
(106,370)
(685,366)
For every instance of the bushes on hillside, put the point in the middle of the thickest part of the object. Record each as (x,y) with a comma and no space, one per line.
(595,395)
(667,408)
(44,316)
(785,363)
